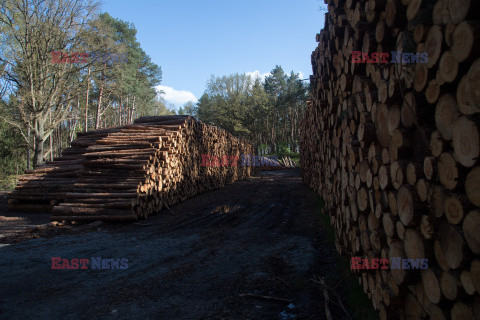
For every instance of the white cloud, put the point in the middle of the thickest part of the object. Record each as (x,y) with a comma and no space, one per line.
(176,97)
(256,74)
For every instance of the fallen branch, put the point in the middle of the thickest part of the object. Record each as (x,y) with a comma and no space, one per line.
(321,282)
(328,314)
(266,298)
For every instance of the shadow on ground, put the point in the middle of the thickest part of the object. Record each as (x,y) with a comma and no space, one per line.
(195,260)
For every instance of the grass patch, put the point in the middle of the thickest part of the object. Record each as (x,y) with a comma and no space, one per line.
(8,182)
(358,302)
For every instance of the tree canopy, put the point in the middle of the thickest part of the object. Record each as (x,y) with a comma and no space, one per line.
(48,93)
(265,112)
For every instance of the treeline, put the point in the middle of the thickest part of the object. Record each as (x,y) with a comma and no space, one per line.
(267,113)
(60,73)
(65,68)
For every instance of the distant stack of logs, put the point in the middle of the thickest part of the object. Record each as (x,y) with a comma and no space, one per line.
(132,171)
(288,162)
(393,149)
(273,163)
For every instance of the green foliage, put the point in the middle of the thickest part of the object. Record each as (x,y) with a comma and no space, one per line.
(266,113)
(129,86)
(283,148)
(12,156)
(47,97)
(188,108)
(161,109)
(226,103)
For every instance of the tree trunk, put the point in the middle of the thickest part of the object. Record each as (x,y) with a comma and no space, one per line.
(28,150)
(133,110)
(86,102)
(99,106)
(39,142)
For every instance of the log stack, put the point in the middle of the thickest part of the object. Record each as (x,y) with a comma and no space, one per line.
(129,172)
(393,149)
(265,163)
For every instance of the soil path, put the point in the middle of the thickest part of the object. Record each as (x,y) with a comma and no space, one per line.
(259,236)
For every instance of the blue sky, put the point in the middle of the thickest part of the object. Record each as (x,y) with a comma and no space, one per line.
(191,39)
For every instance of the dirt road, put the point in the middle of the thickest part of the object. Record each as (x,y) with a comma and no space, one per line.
(210,257)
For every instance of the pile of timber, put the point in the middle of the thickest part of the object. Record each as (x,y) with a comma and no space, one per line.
(129,172)
(288,162)
(393,149)
(266,163)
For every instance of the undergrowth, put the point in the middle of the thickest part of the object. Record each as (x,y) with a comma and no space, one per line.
(358,302)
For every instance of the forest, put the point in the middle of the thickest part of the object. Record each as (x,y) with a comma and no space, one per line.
(60,75)
(265,112)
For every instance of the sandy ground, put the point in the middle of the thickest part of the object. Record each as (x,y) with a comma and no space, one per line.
(258,237)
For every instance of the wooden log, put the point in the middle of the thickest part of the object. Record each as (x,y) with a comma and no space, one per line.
(30,207)
(452,245)
(421,77)
(471,225)
(472,186)
(429,167)
(475,274)
(466,142)
(396,250)
(433,91)
(423,190)
(465,104)
(437,12)
(440,256)
(448,67)
(362,199)
(381,123)
(109,205)
(420,32)
(400,228)
(473,83)
(458,10)
(447,171)
(446,113)
(414,170)
(407,204)
(426,226)
(461,311)
(431,286)
(388,224)
(408,112)
(438,201)
(395,14)
(413,242)
(433,44)
(467,283)
(450,285)
(453,209)
(436,143)
(436,312)
(465,37)
(95,217)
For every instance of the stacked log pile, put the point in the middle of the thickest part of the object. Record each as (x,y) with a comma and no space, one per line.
(393,149)
(132,171)
(273,163)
